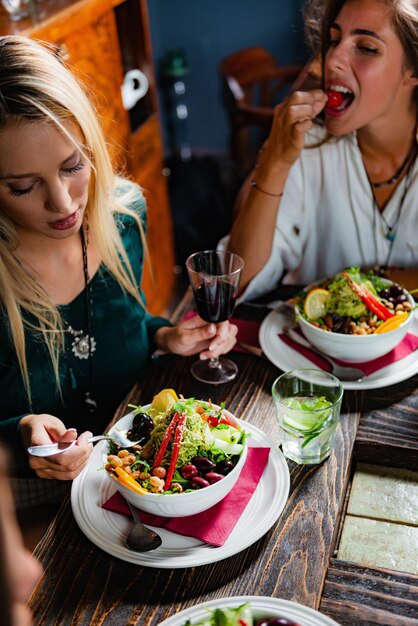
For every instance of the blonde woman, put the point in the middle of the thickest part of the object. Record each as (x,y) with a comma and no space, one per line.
(75,333)
(325,197)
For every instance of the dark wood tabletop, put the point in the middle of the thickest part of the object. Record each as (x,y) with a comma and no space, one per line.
(295,560)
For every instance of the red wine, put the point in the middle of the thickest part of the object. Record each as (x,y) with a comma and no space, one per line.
(215,303)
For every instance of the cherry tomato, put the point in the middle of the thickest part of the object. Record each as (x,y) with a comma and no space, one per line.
(214,421)
(335,99)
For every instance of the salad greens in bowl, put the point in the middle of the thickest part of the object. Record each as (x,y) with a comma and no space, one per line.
(189,458)
(355,316)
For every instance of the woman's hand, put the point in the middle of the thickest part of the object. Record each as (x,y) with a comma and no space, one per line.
(291,120)
(195,335)
(44,429)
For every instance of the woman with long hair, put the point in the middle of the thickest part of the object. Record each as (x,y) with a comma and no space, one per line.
(341,192)
(75,334)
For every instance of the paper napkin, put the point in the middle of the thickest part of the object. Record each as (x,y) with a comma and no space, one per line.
(408,345)
(214,525)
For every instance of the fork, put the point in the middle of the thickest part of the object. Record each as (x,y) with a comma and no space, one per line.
(50,449)
(345,373)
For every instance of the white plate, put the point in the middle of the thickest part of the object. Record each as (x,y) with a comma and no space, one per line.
(261,607)
(108,530)
(286,358)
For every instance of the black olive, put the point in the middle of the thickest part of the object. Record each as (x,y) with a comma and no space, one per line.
(142,426)
(395,290)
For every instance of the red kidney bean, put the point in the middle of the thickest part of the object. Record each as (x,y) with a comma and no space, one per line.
(188,471)
(203,464)
(213,477)
(224,467)
(199,482)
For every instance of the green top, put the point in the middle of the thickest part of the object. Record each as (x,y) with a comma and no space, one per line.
(123,333)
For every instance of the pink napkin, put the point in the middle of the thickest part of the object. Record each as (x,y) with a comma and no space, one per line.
(247,331)
(215,524)
(408,345)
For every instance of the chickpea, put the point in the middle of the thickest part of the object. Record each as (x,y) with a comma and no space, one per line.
(176,487)
(128,460)
(159,471)
(123,453)
(157,484)
(115,460)
(143,475)
(109,468)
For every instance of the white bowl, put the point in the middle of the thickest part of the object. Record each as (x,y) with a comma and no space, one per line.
(355,348)
(178,504)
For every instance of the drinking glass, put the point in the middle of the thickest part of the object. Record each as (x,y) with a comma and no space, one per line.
(308,403)
(214,277)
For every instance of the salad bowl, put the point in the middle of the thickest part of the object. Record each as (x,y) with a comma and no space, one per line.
(357,348)
(188,502)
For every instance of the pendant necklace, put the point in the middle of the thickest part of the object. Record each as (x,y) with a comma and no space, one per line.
(394,179)
(391,229)
(84,344)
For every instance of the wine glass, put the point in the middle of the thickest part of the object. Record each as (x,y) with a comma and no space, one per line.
(214,277)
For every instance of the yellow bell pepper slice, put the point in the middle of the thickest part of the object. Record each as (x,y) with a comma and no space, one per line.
(391,323)
(128,481)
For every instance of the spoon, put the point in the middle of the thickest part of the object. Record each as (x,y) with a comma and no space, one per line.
(58,448)
(141,538)
(343,372)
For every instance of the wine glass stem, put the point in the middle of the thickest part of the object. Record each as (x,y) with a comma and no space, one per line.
(214,363)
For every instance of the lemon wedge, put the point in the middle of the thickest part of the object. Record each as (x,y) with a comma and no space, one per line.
(316,303)
(163,401)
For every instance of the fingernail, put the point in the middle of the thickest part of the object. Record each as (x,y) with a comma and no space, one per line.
(203,357)
(212,329)
(213,346)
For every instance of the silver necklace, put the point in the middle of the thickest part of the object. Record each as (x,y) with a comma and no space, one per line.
(391,229)
(83,345)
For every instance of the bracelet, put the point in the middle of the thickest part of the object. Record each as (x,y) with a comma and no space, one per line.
(267,193)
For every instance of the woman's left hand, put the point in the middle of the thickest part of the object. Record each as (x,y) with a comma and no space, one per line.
(195,335)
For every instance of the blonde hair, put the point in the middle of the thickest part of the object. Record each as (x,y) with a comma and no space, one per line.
(35,86)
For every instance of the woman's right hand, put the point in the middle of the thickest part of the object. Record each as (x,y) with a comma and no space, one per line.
(44,429)
(291,120)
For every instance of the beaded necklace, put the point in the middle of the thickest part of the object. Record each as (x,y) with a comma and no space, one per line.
(84,344)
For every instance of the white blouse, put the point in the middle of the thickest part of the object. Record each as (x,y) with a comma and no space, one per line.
(328,219)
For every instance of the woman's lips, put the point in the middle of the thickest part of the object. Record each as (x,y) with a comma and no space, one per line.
(67,222)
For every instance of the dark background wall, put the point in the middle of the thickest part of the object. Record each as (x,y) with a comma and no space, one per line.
(208,30)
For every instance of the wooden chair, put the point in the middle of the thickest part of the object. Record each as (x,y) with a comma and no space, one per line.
(253,84)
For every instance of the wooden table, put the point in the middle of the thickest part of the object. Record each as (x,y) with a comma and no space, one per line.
(295,560)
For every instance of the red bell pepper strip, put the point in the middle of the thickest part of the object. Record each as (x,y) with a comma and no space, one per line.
(176,449)
(369,299)
(166,439)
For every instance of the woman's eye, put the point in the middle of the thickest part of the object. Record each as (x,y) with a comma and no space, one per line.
(368,50)
(76,168)
(20,192)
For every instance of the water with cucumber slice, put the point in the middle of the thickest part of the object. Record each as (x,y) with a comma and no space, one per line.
(307,427)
